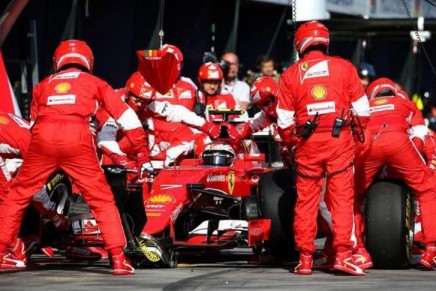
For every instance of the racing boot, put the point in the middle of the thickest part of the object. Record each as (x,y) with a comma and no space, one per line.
(81,254)
(121,264)
(9,262)
(61,222)
(19,253)
(362,258)
(48,251)
(428,260)
(305,265)
(344,262)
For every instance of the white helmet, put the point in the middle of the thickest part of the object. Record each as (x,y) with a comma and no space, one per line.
(218,154)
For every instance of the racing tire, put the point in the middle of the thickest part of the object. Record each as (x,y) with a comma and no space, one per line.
(59,189)
(277,197)
(389,224)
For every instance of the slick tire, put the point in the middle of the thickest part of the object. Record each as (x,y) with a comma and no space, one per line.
(389,221)
(277,197)
(59,189)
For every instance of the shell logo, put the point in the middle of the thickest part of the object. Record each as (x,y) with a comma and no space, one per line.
(319,92)
(380,101)
(304,67)
(63,87)
(3,120)
(161,199)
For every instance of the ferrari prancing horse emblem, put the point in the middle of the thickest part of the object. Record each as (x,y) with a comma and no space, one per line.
(231,181)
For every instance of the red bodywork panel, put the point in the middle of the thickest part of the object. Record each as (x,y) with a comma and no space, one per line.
(171,193)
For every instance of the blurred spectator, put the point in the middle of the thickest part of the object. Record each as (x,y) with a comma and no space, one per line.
(266,66)
(239,89)
(366,73)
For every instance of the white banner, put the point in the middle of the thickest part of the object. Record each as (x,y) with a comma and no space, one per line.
(351,7)
(312,9)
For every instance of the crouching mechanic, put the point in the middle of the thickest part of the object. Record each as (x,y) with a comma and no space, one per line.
(316,96)
(61,108)
(170,132)
(397,144)
(264,93)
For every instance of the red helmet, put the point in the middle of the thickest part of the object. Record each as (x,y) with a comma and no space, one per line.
(209,71)
(309,34)
(264,93)
(169,48)
(73,52)
(381,87)
(137,87)
(264,89)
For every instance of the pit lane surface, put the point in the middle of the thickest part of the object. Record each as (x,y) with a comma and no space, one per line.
(228,271)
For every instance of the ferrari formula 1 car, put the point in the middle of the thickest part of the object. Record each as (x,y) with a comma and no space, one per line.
(224,199)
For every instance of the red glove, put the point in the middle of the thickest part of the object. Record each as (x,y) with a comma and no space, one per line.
(211,129)
(117,159)
(287,137)
(234,134)
(122,161)
(246,130)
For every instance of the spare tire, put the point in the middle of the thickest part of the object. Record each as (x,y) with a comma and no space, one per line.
(277,197)
(389,222)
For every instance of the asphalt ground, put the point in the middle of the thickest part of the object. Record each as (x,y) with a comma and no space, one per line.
(229,270)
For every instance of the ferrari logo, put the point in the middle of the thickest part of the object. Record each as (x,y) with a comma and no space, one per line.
(318,92)
(304,67)
(62,87)
(167,94)
(231,181)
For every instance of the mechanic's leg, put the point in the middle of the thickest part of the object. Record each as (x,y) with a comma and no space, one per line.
(32,176)
(306,210)
(340,185)
(91,182)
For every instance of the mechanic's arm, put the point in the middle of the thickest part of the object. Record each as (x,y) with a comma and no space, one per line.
(108,145)
(129,122)
(179,113)
(286,112)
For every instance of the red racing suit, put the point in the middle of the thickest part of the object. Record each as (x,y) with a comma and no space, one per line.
(169,128)
(393,126)
(14,141)
(323,88)
(182,93)
(61,107)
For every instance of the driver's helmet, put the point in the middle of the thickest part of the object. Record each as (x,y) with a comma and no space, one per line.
(218,154)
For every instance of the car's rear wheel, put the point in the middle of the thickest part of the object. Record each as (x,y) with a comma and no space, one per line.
(277,197)
(389,220)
